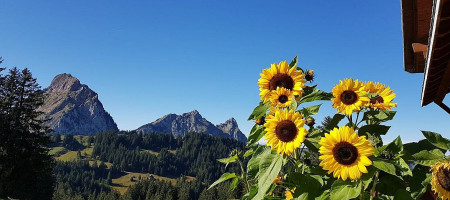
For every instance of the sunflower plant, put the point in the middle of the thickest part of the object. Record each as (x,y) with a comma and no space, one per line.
(345,157)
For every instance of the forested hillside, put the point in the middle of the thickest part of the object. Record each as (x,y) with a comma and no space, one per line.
(102,167)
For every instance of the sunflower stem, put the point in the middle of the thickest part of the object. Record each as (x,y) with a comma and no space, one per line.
(356,121)
(362,191)
(350,120)
(303,159)
(244,176)
(375,180)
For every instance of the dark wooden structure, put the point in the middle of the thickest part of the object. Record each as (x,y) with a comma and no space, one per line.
(426,46)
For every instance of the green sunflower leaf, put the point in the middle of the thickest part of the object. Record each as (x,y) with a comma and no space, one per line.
(384,165)
(334,122)
(259,111)
(251,193)
(395,147)
(389,184)
(402,166)
(228,160)
(269,167)
(307,186)
(312,143)
(344,190)
(253,163)
(428,158)
(294,62)
(416,147)
(224,177)
(402,195)
(316,95)
(374,129)
(234,184)
(437,140)
(255,135)
(311,110)
(379,116)
(308,90)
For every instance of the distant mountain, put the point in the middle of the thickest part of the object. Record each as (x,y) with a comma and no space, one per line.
(193,122)
(72,107)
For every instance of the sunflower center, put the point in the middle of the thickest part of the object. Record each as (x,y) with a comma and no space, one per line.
(281,80)
(345,153)
(282,98)
(286,130)
(379,99)
(443,177)
(348,97)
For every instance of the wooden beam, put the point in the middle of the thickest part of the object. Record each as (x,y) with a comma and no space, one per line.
(445,84)
(418,47)
(444,107)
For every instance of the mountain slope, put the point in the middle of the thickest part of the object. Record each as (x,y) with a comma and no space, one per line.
(192,122)
(72,107)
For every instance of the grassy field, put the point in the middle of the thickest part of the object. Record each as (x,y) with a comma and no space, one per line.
(150,152)
(69,156)
(173,151)
(57,150)
(122,183)
(108,164)
(87,151)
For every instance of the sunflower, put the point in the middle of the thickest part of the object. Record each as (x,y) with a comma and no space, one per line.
(383,96)
(280,75)
(289,194)
(278,180)
(345,154)
(349,96)
(440,181)
(285,131)
(281,97)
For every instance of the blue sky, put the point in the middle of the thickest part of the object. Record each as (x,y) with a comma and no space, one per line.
(149,58)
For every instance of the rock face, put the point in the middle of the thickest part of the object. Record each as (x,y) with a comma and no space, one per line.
(193,122)
(73,108)
(231,128)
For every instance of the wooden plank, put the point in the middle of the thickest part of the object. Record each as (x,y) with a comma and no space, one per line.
(445,84)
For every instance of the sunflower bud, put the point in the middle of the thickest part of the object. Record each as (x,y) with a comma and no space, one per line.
(261,120)
(309,75)
(310,121)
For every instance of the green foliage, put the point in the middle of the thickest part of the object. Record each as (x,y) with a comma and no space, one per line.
(269,167)
(437,140)
(255,135)
(224,177)
(259,111)
(395,170)
(311,110)
(25,165)
(344,190)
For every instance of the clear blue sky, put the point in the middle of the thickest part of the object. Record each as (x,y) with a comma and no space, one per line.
(149,58)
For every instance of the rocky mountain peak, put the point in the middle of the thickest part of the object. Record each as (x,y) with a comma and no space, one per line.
(193,114)
(72,107)
(231,121)
(231,128)
(192,122)
(64,82)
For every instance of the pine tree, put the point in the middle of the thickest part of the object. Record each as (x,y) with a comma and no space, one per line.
(25,166)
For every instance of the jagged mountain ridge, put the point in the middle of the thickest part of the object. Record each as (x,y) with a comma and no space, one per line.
(73,108)
(193,122)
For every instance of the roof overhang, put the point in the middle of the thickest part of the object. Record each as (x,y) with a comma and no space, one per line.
(415,25)
(426,46)
(436,82)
